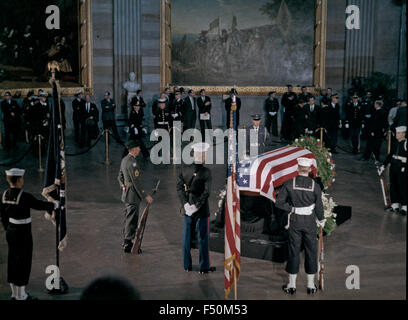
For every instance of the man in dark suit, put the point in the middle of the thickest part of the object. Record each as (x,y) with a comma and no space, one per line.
(288,117)
(190,111)
(11,119)
(228,106)
(301,118)
(139,98)
(90,121)
(305,95)
(272,111)
(204,110)
(313,111)
(78,106)
(333,126)
(377,129)
(108,107)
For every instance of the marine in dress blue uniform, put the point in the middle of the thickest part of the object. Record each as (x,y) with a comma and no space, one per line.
(194,189)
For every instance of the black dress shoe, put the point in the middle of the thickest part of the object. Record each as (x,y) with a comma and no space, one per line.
(212,269)
(402,213)
(312,290)
(188,270)
(287,290)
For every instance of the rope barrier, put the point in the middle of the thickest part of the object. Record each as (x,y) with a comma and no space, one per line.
(88,149)
(13,162)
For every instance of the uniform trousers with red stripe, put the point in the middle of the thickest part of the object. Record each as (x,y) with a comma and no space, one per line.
(201,225)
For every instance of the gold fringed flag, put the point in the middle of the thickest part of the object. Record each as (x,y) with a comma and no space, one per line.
(232,263)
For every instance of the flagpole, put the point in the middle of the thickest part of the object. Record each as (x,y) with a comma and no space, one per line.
(63,286)
(235,283)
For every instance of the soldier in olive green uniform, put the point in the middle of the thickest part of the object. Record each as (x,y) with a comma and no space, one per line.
(132,193)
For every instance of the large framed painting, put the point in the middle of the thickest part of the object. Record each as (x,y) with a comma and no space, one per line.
(254,45)
(27,46)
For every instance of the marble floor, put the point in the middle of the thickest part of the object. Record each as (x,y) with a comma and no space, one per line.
(373,240)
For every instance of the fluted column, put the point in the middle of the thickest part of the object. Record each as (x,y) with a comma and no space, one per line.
(126,44)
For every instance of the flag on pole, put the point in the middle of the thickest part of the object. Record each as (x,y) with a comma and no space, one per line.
(215,24)
(232,263)
(54,184)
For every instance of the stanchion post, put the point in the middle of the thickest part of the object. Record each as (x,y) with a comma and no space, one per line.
(389,141)
(321,135)
(40,169)
(1,146)
(107,162)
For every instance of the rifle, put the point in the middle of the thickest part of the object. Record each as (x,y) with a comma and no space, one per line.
(321,260)
(137,243)
(384,187)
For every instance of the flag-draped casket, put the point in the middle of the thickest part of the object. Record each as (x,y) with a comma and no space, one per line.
(261,175)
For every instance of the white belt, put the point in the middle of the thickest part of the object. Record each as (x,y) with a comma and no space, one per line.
(305,211)
(403,159)
(23,221)
(255,144)
(162,123)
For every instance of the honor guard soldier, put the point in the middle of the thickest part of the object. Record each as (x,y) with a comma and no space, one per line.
(15,205)
(256,136)
(133,193)
(139,98)
(272,111)
(78,107)
(354,121)
(190,111)
(136,126)
(11,119)
(177,107)
(162,119)
(398,172)
(194,189)
(301,197)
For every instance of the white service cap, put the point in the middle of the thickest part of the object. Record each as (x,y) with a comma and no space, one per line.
(15,172)
(79,92)
(401,129)
(304,162)
(201,147)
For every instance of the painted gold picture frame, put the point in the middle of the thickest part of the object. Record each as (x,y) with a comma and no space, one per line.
(319,74)
(85,38)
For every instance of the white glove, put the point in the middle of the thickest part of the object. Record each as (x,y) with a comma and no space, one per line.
(321,223)
(144,130)
(340,126)
(362,126)
(190,209)
(136,131)
(347,126)
(57,204)
(272,114)
(156,134)
(174,115)
(381,170)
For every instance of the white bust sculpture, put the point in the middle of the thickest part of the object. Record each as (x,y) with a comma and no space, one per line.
(131,87)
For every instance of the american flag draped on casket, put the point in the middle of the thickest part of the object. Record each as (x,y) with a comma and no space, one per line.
(264,173)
